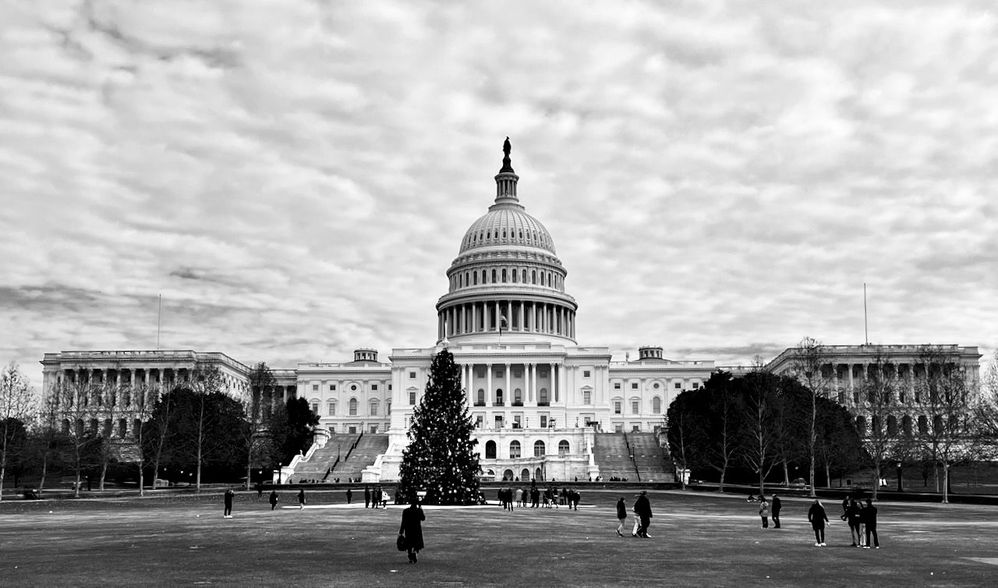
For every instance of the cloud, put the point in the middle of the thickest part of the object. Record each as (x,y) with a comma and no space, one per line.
(295,179)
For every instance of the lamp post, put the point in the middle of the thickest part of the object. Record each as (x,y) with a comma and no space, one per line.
(900,485)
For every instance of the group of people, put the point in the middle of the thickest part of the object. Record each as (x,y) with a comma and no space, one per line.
(373,498)
(549,497)
(765,508)
(274,498)
(857,517)
(642,516)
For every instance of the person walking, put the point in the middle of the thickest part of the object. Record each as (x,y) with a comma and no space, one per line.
(764,512)
(228,503)
(367,497)
(621,516)
(777,505)
(817,517)
(411,528)
(301,498)
(642,508)
(273,499)
(349,495)
(869,517)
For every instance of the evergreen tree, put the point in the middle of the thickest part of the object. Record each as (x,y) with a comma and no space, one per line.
(440,458)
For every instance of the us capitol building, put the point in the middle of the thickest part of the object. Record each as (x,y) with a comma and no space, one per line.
(538,400)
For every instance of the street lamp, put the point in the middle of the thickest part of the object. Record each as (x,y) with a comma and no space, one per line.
(900,485)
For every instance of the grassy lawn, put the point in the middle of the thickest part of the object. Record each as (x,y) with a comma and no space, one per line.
(698,539)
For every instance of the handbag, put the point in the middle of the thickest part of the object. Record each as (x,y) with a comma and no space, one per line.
(400,542)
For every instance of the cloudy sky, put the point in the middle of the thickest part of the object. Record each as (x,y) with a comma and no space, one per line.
(294,177)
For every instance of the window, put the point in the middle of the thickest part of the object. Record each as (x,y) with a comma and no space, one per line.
(678,385)
(332,387)
(412,397)
(374,429)
(490,450)
(585,373)
(480,400)
(374,386)
(538,449)
(618,428)
(616,385)
(353,407)
(544,421)
(616,407)
(374,408)
(514,449)
(314,406)
(353,387)
(635,407)
(498,401)
(315,387)
(517,397)
(656,405)
(542,397)
(331,408)
(563,447)
(122,428)
(634,385)
(412,375)
(587,397)
(655,385)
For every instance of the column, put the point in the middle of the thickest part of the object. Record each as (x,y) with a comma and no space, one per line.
(488,384)
(506,400)
(498,316)
(533,317)
(852,385)
(533,385)
(509,315)
(562,389)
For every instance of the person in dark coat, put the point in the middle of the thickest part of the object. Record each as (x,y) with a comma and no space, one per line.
(412,529)
(301,499)
(777,505)
(621,516)
(349,495)
(367,497)
(817,517)
(853,516)
(869,518)
(228,503)
(273,499)
(642,508)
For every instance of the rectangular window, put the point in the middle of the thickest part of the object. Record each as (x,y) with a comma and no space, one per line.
(315,407)
(544,421)
(616,385)
(678,385)
(634,407)
(389,387)
(332,387)
(374,386)
(635,428)
(634,385)
(412,375)
(618,428)
(412,397)
(353,409)
(616,407)
(587,397)
(315,387)
(332,409)
(585,373)
(374,429)
(374,409)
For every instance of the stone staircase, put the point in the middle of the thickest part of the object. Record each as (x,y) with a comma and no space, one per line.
(613,457)
(651,460)
(324,458)
(366,450)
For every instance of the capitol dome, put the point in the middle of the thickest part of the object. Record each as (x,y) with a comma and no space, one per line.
(507,283)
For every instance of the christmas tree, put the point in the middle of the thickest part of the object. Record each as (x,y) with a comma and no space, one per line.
(440,458)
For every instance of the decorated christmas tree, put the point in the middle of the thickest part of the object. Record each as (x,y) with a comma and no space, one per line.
(440,458)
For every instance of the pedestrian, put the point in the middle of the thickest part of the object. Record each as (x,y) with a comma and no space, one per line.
(349,495)
(228,503)
(777,505)
(301,498)
(273,499)
(869,517)
(642,508)
(764,512)
(817,517)
(621,516)
(853,516)
(259,490)
(377,497)
(367,497)
(519,497)
(411,528)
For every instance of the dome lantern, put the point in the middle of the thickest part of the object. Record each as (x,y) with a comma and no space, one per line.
(506,178)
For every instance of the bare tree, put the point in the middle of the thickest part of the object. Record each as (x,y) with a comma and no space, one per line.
(142,401)
(810,362)
(949,434)
(759,434)
(986,407)
(109,409)
(75,399)
(204,379)
(161,426)
(16,404)
(882,439)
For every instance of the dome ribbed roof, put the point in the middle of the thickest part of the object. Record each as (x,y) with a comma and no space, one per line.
(507,225)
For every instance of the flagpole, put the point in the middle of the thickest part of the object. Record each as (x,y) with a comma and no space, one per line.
(866,329)
(159,320)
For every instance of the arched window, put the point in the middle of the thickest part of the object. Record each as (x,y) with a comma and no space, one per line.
(563,447)
(122,428)
(494,280)
(490,450)
(498,401)
(923,425)
(475,276)
(517,397)
(504,276)
(136,425)
(906,425)
(331,408)
(480,401)
(538,449)
(514,449)
(533,276)
(313,405)
(542,397)
(892,425)
(512,274)
(656,405)
(374,407)
(353,407)
(524,276)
